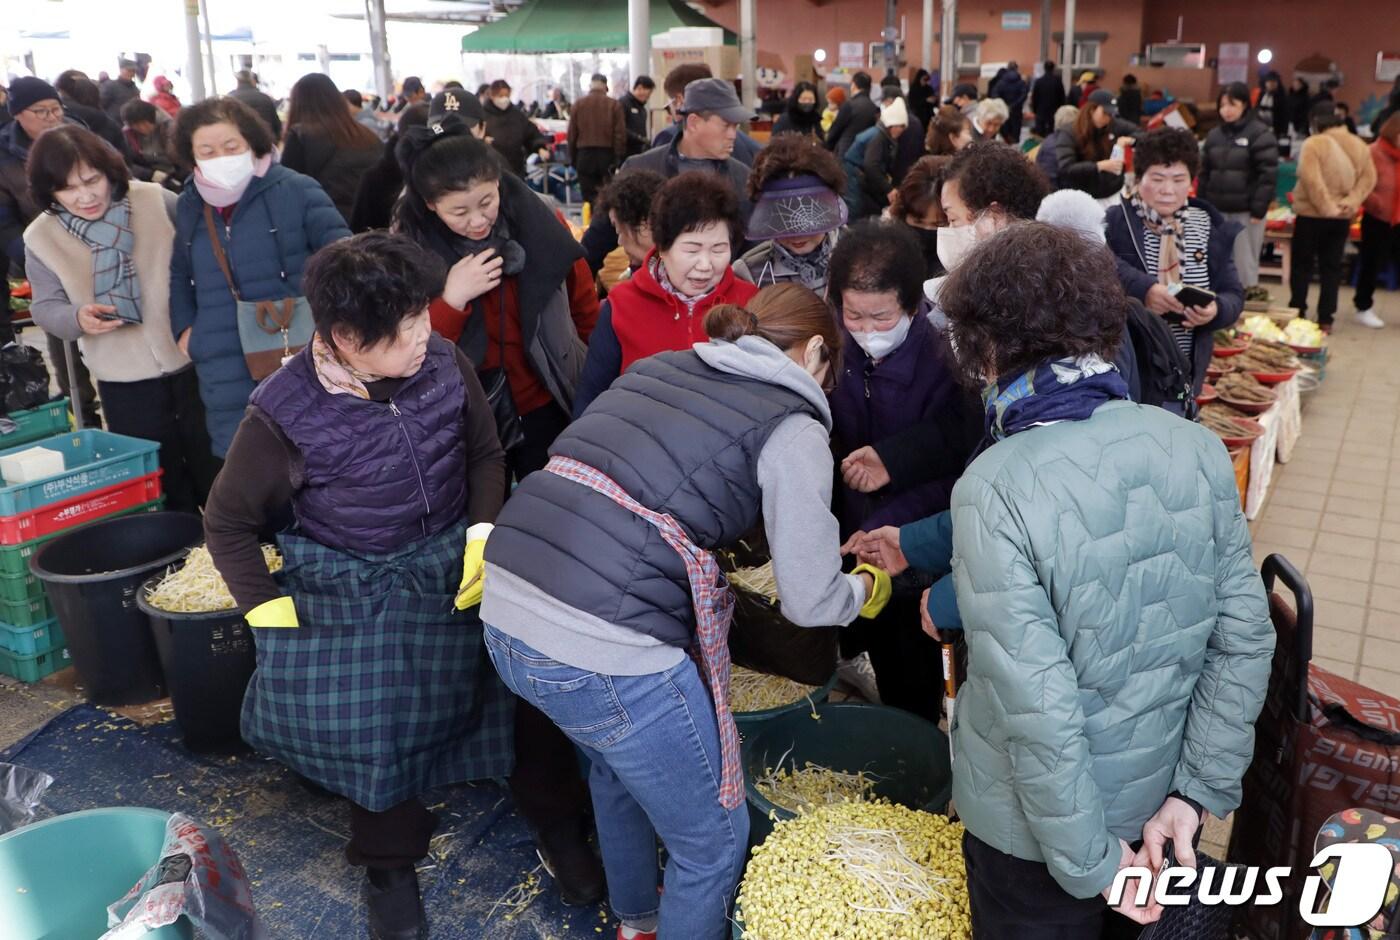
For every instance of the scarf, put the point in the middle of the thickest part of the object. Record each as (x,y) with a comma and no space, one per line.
(1056,390)
(221,197)
(111,240)
(499,239)
(334,375)
(811,268)
(1171,232)
(658,271)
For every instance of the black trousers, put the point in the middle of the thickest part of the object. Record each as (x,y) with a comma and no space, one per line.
(593,166)
(168,411)
(908,663)
(394,838)
(1319,242)
(1012,897)
(547,787)
(86,396)
(1380,243)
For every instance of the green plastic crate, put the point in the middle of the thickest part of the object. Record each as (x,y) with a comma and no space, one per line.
(14,559)
(25,613)
(31,640)
(36,424)
(34,668)
(20,588)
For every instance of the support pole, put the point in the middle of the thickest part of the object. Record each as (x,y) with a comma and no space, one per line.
(379,50)
(194,58)
(891,34)
(748,52)
(639,39)
(948,69)
(1046,7)
(209,48)
(1070,75)
(926,49)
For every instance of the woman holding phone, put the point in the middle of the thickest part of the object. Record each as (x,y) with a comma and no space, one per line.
(1176,253)
(98,259)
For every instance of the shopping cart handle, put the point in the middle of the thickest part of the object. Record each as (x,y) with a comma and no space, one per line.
(1278,567)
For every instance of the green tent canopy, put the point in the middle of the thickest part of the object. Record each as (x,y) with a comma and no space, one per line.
(577,26)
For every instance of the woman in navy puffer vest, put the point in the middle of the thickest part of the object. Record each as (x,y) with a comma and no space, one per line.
(272,221)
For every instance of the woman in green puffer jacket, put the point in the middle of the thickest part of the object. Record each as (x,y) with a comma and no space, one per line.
(1118,636)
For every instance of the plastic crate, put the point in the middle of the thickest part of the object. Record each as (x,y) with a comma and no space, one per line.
(31,640)
(34,668)
(18,588)
(95,460)
(14,559)
(36,424)
(53,518)
(26,613)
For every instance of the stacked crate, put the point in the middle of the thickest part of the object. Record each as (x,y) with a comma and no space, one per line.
(106,475)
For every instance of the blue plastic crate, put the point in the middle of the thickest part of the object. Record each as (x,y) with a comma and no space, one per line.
(95,459)
(34,668)
(33,640)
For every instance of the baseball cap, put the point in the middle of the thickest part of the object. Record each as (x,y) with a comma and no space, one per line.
(459,102)
(1105,100)
(715,96)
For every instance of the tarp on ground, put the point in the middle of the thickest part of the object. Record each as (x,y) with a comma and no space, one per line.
(577,26)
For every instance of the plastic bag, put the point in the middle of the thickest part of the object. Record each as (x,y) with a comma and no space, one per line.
(198,876)
(762,639)
(21,791)
(25,377)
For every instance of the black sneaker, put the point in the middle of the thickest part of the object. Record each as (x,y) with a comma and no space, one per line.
(571,862)
(395,906)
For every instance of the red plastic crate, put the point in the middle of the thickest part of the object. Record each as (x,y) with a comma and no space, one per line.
(87,507)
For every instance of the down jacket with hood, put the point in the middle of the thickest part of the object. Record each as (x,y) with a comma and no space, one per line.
(1119,640)
(281,221)
(1239,167)
(1125,239)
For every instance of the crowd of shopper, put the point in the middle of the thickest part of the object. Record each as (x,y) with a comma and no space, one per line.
(920,358)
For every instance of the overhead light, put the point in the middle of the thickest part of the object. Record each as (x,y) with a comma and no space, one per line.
(819,55)
(1266,56)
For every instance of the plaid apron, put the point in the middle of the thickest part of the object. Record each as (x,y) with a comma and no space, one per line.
(385,690)
(714,609)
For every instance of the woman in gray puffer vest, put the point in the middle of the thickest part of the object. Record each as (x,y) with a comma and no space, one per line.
(600,576)
(1118,635)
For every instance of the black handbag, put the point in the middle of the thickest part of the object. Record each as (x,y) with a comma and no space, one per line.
(496,383)
(1193,920)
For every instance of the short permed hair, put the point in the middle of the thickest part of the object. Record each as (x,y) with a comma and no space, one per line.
(682,75)
(629,196)
(1065,300)
(58,152)
(1164,147)
(137,111)
(218,111)
(370,283)
(692,201)
(990,172)
(877,256)
(795,155)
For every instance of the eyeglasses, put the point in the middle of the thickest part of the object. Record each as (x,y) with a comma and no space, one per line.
(46,114)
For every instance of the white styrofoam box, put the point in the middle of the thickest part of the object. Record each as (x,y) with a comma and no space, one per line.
(34,463)
(688,37)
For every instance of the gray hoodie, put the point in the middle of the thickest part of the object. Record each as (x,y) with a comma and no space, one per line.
(795,475)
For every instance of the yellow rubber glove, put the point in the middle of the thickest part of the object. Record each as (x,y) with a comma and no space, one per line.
(878,597)
(474,566)
(279,613)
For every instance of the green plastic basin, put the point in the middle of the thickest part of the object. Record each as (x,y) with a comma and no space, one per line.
(58,876)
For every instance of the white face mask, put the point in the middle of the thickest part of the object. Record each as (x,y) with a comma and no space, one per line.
(229,172)
(502,103)
(880,343)
(955,243)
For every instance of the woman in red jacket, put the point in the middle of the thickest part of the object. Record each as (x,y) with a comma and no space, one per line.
(1380,223)
(695,224)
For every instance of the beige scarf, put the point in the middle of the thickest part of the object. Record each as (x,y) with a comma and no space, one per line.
(335,376)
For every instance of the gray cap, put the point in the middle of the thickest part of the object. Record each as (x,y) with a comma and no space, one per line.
(715,96)
(1104,99)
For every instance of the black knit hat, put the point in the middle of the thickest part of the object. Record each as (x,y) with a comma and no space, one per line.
(27,92)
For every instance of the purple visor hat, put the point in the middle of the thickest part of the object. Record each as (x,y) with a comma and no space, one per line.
(795,208)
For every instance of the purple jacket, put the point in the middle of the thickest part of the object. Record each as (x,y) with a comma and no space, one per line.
(375,475)
(873,402)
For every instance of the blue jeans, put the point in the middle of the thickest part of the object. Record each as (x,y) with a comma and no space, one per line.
(654,744)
